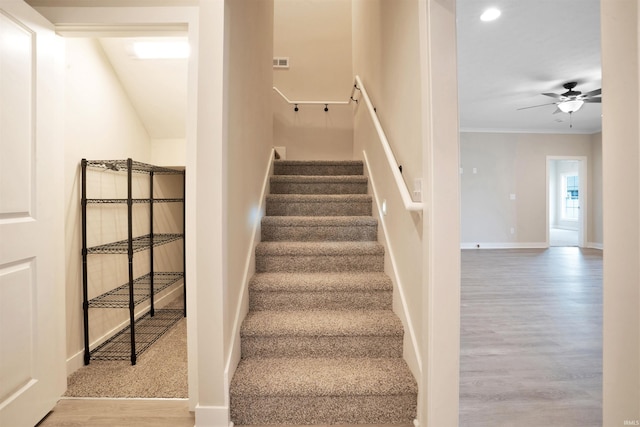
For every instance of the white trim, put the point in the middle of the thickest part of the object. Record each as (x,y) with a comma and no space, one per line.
(505,245)
(594,245)
(249,269)
(532,131)
(395,277)
(212,416)
(76,361)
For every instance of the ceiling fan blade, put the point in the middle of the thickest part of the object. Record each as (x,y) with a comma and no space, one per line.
(554,95)
(557,111)
(592,93)
(598,100)
(536,106)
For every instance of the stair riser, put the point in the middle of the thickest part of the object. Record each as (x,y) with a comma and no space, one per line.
(324,170)
(318,188)
(361,233)
(279,208)
(290,301)
(296,346)
(318,264)
(395,409)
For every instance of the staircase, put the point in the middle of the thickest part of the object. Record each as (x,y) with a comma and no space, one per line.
(320,344)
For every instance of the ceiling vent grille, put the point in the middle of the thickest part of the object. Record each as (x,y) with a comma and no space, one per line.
(280,62)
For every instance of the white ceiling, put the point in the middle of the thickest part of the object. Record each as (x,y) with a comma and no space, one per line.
(157,88)
(535,46)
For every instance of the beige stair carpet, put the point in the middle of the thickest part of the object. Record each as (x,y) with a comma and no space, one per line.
(320,344)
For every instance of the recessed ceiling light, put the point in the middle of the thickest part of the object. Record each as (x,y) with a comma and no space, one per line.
(161,49)
(490,15)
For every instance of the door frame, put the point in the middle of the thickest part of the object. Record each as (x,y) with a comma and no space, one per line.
(583,197)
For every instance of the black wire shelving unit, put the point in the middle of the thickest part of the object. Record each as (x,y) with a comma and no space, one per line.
(143,331)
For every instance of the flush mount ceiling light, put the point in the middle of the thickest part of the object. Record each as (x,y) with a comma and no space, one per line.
(570,106)
(161,49)
(490,14)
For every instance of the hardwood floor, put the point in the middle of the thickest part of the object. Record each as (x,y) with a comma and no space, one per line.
(531,338)
(119,413)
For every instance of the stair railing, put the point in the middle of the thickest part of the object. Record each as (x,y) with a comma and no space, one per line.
(326,104)
(408,202)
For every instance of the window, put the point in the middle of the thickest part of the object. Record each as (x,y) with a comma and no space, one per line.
(571,200)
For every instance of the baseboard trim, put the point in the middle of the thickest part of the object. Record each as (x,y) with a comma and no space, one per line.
(249,268)
(505,245)
(212,416)
(593,245)
(413,342)
(76,361)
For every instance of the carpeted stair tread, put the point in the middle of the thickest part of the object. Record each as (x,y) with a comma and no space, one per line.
(321,198)
(318,184)
(322,377)
(311,282)
(324,228)
(319,221)
(319,204)
(327,291)
(318,167)
(343,323)
(318,248)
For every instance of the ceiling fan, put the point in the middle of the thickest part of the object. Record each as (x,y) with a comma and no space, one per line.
(572,100)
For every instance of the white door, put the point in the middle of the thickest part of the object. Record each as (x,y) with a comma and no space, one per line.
(32,331)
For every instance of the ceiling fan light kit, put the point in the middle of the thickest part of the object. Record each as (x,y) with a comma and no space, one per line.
(572,100)
(570,106)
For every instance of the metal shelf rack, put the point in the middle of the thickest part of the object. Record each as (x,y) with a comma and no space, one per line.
(135,338)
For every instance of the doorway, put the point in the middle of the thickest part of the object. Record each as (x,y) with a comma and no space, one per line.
(566,201)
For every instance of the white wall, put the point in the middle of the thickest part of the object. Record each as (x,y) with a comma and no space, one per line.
(389,29)
(595,206)
(506,164)
(316,37)
(387,59)
(249,122)
(169,152)
(620,22)
(100,123)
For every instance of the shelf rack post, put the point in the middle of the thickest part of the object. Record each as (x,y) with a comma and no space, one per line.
(184,239)
(132,313)
(85,296)
(152,310)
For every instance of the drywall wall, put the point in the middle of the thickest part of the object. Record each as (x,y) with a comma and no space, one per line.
(402,232)
(595,207)
(100,123)
(249,124)
(387,58)
(169,152)
(620,22)
(512,164)
(316,37)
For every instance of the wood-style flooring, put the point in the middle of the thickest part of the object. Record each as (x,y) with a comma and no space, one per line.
(119,413)
(531,338)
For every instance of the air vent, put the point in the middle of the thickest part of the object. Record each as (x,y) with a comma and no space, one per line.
(280,62)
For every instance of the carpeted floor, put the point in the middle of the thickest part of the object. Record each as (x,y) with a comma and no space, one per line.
(160,372)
